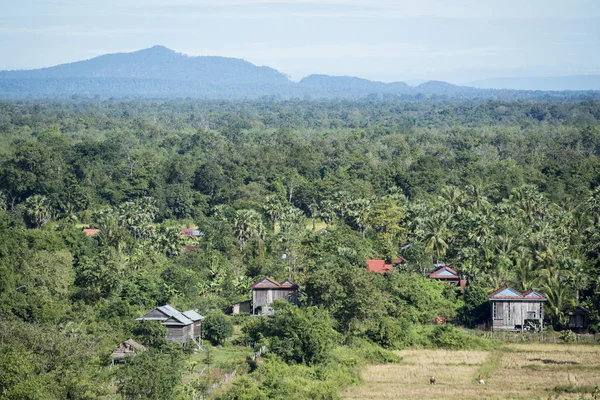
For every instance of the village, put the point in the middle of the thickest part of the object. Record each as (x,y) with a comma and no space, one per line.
(509,309)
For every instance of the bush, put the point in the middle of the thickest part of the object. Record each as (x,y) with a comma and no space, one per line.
(296,335)
(217,327)
(395,334)
(151,334)
(448,337)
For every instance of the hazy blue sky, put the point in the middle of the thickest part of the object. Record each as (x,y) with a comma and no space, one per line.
(386,40)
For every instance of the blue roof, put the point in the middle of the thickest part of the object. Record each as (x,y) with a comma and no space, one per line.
(508,292)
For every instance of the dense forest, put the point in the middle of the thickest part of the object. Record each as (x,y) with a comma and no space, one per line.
(505,192)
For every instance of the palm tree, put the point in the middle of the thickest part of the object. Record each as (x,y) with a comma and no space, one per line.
(451,197)
(525,277)
(341,201)
(327,211)
(359,210)
(557,293)
(436,234)
(476,197)
(292,221)
(273,208)
(247,225)
(38,210)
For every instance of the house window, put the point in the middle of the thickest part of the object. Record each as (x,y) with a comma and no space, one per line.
(531,315)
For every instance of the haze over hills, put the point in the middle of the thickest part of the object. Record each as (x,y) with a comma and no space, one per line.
(575,82)
(159,72)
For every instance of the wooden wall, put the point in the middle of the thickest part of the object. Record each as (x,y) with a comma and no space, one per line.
(264,297)
(178,333)
(510,313)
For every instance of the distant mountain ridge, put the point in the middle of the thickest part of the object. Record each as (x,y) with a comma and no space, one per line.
(159,72)
(574,82)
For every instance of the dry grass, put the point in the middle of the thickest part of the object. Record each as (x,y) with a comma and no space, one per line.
(516,372)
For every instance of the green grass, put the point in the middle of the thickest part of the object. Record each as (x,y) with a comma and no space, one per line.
(222,355)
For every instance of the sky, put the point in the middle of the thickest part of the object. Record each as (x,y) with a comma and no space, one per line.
(387,40)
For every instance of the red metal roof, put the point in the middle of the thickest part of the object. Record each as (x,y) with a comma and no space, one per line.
(379,266)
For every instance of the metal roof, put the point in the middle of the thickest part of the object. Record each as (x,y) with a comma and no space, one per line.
(508,293)
(170,313)
(193,315)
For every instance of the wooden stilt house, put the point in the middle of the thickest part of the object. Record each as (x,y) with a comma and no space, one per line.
(512,310)
(267,290)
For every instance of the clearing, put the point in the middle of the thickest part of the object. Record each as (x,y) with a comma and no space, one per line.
(515,371)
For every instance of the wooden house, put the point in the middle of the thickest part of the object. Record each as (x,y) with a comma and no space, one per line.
(444,273)
(512,310)
(267,290)
(578,319)
(181,327)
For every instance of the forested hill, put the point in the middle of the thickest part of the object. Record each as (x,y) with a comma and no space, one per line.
(161,73)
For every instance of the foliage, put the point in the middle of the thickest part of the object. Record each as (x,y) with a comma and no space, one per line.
(295,334)
(151,333)
(449,337)
(150,375)
(504,192)
(217,327)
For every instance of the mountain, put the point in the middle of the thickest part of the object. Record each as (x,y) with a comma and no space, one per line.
(348,86)
(161,73)
(154,72)
(575,82)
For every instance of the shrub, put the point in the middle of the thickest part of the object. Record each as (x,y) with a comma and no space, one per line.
(217,327)
(296,335)
(151,334)
(448,337)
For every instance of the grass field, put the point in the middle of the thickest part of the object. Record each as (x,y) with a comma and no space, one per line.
(527,371)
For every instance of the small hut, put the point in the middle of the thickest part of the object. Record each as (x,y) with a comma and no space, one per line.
(126,349)
(267,290)
(241,307)
(444,273)
(181,327)
(513,310)
(578,319)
